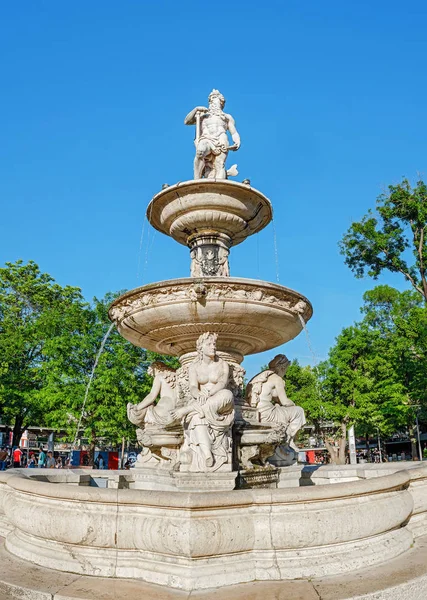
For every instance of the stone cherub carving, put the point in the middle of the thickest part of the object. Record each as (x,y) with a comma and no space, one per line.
(266,392)
(209,414)
(164,385)
(211,140)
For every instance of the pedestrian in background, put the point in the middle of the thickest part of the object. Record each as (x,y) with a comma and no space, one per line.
(42,458)
(50,462)
(3,459)
(17,455)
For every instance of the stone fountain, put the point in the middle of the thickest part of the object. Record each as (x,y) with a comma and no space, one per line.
(203,433)
(214,499)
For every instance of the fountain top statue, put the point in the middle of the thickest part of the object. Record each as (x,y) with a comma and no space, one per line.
(211,139)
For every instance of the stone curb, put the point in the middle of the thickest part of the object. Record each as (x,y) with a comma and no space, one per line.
(404,578)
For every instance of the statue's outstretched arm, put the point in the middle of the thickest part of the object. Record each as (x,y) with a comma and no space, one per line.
(190,119)
(279,384)
(233,132)
(151,397)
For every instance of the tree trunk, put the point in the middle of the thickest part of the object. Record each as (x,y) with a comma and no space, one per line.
(18,430)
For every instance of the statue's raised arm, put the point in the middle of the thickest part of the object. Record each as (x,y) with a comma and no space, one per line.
(190,119)
(211,140)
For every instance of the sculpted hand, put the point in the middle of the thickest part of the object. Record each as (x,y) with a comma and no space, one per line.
(178,413)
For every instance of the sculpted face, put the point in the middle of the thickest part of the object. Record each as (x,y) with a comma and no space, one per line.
(209,348)
(281,369)
(216,102)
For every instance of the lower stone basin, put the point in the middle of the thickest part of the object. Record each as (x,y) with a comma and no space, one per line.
(199,540)
(248,315)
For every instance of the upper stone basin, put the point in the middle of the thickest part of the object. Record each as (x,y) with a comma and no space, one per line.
(201,207)
(248,315)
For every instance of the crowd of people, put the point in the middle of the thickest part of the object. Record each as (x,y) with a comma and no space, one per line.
(15,458)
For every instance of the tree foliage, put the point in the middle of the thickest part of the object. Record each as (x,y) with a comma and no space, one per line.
(37,316)
(303,386)
(393,238)
(49,338)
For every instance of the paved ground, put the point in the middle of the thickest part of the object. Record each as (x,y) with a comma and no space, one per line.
(404,578)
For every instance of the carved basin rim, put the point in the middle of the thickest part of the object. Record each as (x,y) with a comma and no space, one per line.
(231,281)
(252,215)
(249,316)
(196,500)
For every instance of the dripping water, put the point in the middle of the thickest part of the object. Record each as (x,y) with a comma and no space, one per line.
(89,383)
(148,246)
(276,252)
(307,335)
(141,243)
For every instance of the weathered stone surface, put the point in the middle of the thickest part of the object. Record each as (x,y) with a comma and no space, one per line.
(193,209)
(209,217)
(404,578)
(248,315)
(195,540)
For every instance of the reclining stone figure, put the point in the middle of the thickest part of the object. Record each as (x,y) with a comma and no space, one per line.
(266,391)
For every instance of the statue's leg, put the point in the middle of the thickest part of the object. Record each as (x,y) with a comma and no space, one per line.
(296,422)
(222,402)
(205,443)
(296,418)
(219,166)
(202,150)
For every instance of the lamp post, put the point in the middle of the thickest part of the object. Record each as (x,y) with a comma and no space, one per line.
(420,452)
(352,445)
(379,445)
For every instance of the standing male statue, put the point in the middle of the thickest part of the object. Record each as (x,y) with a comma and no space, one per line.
(211,140)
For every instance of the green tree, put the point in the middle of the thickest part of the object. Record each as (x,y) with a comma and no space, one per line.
(361,386)
(401,319)
(37,316)
(120,377)
(393,238)
(303,386)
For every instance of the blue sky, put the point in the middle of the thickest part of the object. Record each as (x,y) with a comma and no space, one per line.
(329,99)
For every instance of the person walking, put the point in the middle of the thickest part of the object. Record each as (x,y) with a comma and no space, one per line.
(3,459)
(17,456)
(42,458)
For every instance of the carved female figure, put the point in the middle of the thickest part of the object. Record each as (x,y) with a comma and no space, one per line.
(209,415)
(164,385)
(267,392)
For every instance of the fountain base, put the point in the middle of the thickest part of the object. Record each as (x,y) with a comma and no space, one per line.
(193,540)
